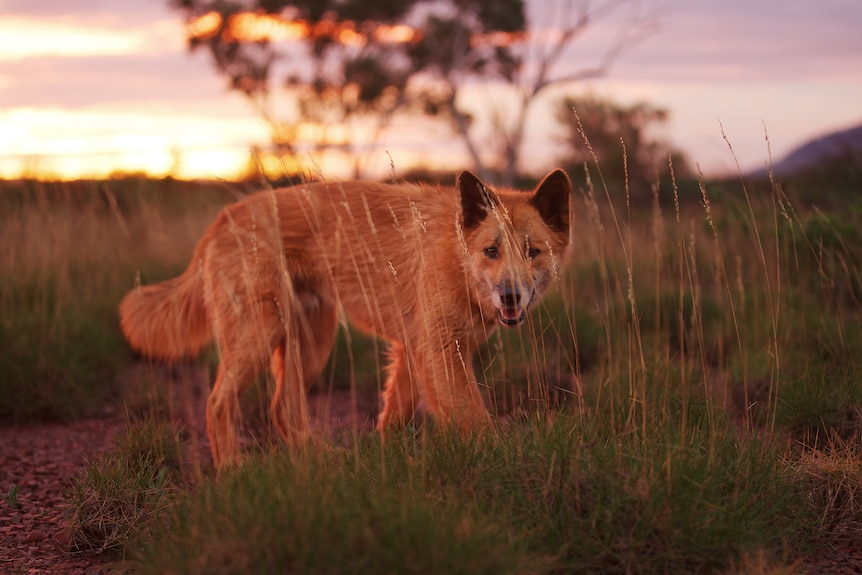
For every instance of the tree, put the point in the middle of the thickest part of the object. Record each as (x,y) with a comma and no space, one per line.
(529,57)
(618,138)
(360,63)
(341,70)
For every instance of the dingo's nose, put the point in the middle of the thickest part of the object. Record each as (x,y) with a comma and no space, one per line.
(510,296)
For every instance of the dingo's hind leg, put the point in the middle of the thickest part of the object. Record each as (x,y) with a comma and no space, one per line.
(296,363)
(244,343)
(223,412)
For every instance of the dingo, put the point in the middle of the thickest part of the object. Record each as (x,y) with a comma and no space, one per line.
(430,270)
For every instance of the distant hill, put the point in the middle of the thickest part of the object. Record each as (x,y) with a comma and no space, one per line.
(843,145)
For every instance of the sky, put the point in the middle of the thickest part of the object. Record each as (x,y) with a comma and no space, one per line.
(105,86)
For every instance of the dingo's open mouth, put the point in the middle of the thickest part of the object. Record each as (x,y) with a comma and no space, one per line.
(511,316)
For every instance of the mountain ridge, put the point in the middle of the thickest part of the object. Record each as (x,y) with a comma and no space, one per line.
(840,145)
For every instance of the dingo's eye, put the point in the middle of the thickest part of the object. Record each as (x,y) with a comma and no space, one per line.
(533,253)
(491,252)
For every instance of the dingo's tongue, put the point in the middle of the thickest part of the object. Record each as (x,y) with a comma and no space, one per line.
(511,316)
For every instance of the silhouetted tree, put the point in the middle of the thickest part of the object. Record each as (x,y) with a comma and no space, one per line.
(363,62)
(340,71)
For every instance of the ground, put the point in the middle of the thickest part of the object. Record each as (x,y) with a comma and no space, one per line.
(41,460)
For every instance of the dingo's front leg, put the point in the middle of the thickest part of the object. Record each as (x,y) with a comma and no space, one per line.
(402,391)
(451,389)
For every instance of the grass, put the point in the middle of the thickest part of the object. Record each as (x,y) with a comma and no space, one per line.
(323,512)
(120,496)
(689,401)
(69,252)
(549,495)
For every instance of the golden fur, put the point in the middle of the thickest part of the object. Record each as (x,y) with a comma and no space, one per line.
(430,270)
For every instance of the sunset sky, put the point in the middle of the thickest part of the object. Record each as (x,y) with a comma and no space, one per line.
(91,88)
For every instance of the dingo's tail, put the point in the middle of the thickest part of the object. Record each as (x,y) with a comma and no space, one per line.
(167,320)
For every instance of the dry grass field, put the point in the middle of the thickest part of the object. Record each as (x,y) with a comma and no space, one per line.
(688,400)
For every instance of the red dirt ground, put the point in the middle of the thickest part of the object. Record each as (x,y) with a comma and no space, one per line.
(41,460)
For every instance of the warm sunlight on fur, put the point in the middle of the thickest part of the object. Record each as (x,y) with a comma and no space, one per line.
(431,270)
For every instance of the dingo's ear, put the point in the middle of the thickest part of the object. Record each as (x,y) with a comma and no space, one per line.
(476,201)
(551,199)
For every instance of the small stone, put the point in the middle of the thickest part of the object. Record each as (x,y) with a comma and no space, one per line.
(34,537)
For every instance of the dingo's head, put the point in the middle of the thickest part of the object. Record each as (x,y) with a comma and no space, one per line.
(515,242)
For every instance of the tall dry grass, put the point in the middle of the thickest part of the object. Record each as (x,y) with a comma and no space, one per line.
(68,252)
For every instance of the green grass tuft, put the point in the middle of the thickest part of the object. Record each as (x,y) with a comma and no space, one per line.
(118,497)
